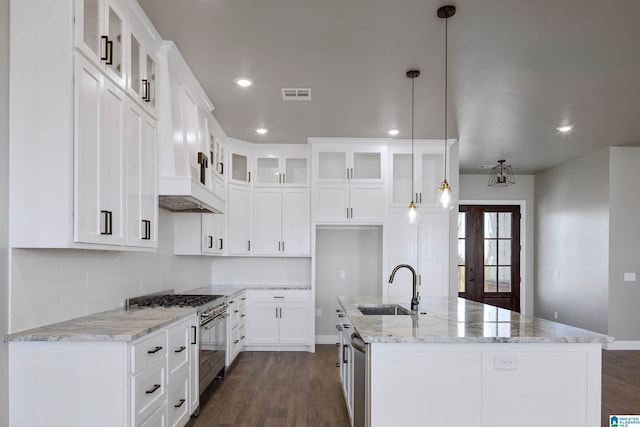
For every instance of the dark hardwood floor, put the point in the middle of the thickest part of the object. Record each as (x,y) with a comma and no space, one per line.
(277,389)
(620,384)
(303,389)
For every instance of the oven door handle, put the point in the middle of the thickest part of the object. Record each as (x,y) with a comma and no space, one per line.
(213,322)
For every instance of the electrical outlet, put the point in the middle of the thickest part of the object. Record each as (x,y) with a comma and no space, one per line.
(506,362)
(629,277)
(318,312)
(556,274)
(342,275)
(555,315)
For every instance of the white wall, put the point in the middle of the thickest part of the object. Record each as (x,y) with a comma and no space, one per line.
(51,285)
(357,252)
(474,190)
(4,211)
(572,242)
(249,271)
(624,236)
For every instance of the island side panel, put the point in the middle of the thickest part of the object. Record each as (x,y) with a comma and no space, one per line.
(485,385)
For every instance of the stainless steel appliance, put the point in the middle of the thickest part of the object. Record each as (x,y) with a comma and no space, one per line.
(212,310)
(359,379)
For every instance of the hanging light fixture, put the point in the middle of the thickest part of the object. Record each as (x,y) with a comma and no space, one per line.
(413,209)
(501,175)
(444,196)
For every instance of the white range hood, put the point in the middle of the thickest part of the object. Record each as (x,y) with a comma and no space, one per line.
(185,126)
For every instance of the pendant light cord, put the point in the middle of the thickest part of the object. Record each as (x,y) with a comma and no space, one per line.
(412,104)
(446,86)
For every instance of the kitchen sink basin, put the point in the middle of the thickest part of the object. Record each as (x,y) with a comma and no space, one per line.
(384,310)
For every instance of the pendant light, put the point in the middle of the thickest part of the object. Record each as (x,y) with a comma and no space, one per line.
(413,209)
(501,175)
(444,196)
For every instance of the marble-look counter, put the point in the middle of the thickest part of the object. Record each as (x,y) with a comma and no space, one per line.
(456,320)
(230,290)
(115,325)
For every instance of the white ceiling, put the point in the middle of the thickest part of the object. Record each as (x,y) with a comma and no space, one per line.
(517,70)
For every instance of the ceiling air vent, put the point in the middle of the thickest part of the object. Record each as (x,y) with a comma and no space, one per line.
(296,94)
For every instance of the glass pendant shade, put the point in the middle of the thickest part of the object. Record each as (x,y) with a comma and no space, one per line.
(444,196)
(413,213)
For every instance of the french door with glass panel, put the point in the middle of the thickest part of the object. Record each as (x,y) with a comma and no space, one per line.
(489,255)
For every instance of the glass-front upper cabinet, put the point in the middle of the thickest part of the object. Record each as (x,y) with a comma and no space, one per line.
(142,72)
(425,173)
(239,172)
(99,35)
(337,165)
(276,170)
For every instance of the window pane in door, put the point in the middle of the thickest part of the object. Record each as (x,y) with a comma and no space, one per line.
(490,252)
(490,225)
(504,252)
(504,225)
(462,225)
(461,252)
(490,279)
(504,279)
(461,287)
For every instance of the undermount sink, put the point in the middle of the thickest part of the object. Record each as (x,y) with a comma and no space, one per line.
(384,310)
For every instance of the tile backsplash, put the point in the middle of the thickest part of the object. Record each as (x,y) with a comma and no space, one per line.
(52,285)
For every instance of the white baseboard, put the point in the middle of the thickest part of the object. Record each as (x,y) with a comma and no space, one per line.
(622,345)
(326,339)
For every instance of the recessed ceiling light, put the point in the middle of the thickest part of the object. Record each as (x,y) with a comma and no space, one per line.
(243,81)
(564,128)
(261,131)
(393,132)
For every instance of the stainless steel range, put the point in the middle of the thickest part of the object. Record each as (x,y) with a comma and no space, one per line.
(212,310)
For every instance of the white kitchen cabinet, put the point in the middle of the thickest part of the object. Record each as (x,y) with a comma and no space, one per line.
(100,36)
(142,178)
(111,383)
(349,182)
(281,221)
(99,142)
(423,245)
(281,170)
(240,166)
(278,319)
(198,234)
(89,152)
(428,174)
(236,326)
(239,220)
(141,75)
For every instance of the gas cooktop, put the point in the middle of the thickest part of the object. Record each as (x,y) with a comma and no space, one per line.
(172,300)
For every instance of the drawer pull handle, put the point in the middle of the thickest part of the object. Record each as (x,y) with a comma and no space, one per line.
(154,389)
(236,341)
(236,311)
(231,302)
(242,337)
(279,297)
(179,404)
(242,315)
(155,350)
(181,349)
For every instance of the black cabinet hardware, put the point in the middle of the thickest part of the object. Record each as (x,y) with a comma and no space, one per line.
(195,331)
(107,223)
(153,389)
(203,161)
(155,350)
(180,350)
(146,229)
(179,404)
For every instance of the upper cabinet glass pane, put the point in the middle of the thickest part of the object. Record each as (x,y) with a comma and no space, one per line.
(239,170)
(296,171)
(151,80)
(332,165)
(136,76)
(268,171)
(367,165)
(431,176)
(402,178)
(115,39)
(91,25)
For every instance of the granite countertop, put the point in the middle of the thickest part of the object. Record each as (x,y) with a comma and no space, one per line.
(114,325)
(230,290)
(456,320)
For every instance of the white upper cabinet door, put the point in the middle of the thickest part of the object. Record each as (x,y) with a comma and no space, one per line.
(296,222)
(239,220)
(142,193)
(430,176)
(267,221)
(424,174)
(100,31)
(239,172)
(331,203)
(99,157)
(198,156)
(366,203)
(141,76)
(331,166)
(287,171)
(362,165)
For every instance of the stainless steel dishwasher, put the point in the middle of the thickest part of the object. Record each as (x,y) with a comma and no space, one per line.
(359,379)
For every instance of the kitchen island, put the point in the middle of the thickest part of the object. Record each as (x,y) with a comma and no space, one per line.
(462,363)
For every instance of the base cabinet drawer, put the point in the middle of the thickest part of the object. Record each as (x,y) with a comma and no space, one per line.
(148,391)
(178,398)
(157,419)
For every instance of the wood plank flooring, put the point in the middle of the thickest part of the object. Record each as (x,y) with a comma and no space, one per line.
(280,389)
(302,389)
